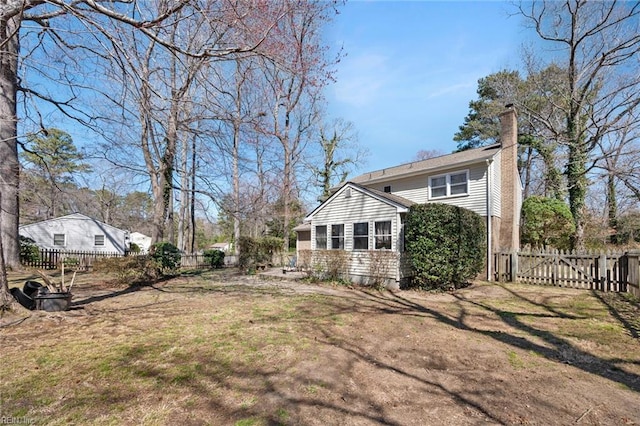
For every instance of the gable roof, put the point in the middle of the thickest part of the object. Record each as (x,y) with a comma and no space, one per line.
(442,162)
(74,216)
(387,198)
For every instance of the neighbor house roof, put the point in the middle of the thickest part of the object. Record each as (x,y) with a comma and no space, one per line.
(442,162)
(73,216)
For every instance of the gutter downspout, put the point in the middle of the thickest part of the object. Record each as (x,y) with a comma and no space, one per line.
(489,212)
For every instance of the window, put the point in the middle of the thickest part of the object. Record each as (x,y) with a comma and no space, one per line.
(337,237)
(59,239)
(98,240)
(458,183)
(383,235)
(361,236)
(439,187)
(321,237)
(387,189)
(449,185)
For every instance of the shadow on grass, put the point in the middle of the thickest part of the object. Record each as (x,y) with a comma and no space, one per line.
(557,349)
(624,309)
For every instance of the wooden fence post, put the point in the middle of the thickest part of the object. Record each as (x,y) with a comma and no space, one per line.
(513,267)
(633,272)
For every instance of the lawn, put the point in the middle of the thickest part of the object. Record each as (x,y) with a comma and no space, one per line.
(222,349)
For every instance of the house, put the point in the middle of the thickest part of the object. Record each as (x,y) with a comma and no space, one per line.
(77,232)
(364,218)
(225,247)
(141,240)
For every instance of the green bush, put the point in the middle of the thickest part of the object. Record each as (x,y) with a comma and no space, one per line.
(215,258)
(546,222)
(446,245)
(29,251)
(166,255)
(257,251)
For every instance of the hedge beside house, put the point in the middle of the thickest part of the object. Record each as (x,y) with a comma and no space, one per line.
(445,245)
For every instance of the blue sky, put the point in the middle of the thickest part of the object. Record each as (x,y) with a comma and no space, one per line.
(412,67)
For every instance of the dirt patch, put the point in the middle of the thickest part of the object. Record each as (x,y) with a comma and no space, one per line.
(219,348)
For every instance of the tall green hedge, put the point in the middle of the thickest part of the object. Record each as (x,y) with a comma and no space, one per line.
(446,245)
(546,222)
(166,255)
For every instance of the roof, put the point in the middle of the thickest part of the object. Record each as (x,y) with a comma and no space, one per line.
(74,216)
(303,227)
(386,197)
(219,245)
(461,158)
(395,199)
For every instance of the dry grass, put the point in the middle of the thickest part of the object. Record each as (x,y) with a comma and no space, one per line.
(214,348)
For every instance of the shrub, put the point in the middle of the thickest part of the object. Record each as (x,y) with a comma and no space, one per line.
(29,251)
(129,270)
(445,245)
(546,222)
(215,258)
(166,255)
(134,248)
(255,251)
(331,265)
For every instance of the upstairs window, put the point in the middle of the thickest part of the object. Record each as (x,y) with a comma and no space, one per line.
(321,237)
(361,236)
(337,237)
(59,239)
(451,184)
(383,235)
(98,240)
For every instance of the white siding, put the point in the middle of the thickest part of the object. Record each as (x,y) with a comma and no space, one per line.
(79,231)
(359,207)
(416,189)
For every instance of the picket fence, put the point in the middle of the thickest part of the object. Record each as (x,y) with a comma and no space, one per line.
(50,259)
(604,271)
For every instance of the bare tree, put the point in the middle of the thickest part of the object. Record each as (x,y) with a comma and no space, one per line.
(103,20)
(338,144)
(599,45)
(295,73)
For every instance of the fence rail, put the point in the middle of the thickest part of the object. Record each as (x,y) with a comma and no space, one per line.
(49,259)
(602,271)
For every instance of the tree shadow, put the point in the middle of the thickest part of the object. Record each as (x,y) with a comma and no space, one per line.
(626,311)
(557,349)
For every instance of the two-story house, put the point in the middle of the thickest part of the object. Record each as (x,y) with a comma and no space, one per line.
(366,214)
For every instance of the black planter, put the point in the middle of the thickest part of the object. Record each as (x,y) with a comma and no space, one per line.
(22,298)
(53,302)
(31,287)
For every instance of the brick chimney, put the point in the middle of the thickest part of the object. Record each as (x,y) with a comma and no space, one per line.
(510,184)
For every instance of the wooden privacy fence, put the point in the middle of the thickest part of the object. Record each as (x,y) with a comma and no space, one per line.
(602,271)
(49,259)
(52,258)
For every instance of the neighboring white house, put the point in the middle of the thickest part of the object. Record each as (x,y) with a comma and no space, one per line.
(141,240)
(224,246)
(77,232)
(365,216)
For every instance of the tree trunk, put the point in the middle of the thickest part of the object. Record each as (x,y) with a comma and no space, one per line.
(9,166)
(5,296)
(193,196)
(612,208)
(183,222)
